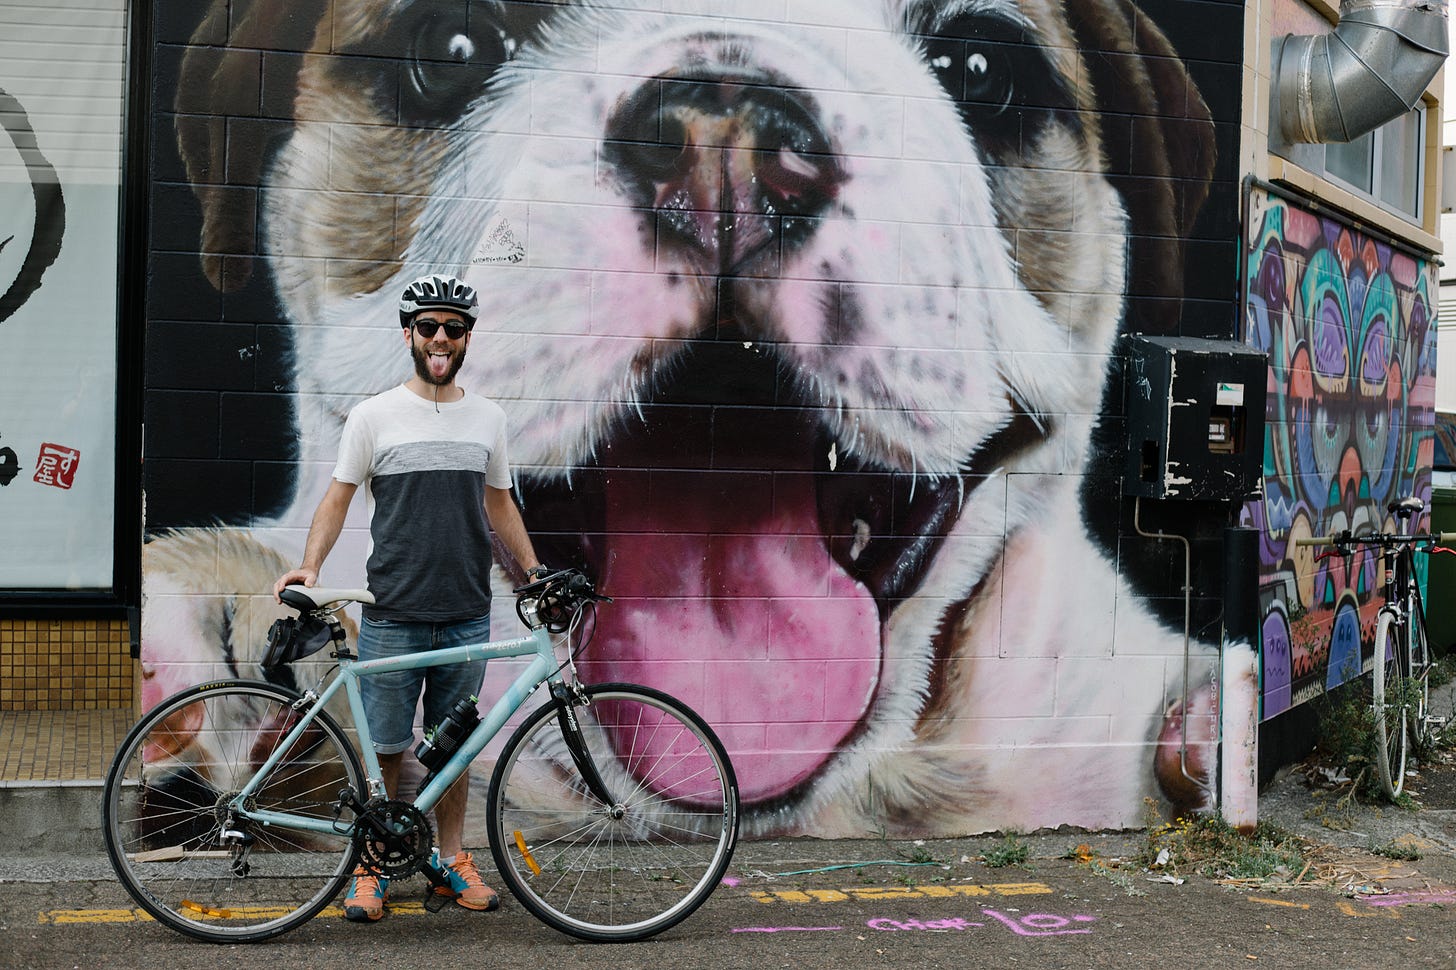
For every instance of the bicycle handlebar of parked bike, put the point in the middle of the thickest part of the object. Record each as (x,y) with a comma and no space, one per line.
(1379,539)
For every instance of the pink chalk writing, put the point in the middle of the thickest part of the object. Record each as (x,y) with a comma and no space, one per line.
(56,465)
(1034,924)
(1040,924)
(1407,899)
(897,925)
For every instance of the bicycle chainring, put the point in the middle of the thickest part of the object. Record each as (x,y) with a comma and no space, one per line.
(393,838)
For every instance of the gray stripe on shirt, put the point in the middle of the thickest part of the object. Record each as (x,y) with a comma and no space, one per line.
(433,456)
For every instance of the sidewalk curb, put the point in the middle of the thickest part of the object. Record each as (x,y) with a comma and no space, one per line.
(51,818)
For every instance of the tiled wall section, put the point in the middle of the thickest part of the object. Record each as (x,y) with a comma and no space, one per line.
(65,665)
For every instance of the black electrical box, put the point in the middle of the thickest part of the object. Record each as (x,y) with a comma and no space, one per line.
(1195,418)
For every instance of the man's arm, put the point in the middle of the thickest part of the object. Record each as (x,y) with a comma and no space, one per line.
(323,532)
(505,521)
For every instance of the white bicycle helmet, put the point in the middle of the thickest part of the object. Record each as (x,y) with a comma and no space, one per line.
(437,292)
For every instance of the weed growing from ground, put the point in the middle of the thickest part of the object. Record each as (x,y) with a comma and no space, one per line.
(1010,851)
(1400,848)
(1346,735)
(1210,846)
(917,854)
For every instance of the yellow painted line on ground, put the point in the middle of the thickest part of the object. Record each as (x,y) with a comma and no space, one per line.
(798,896)
(60,917)
(1278,902)
(1350,909)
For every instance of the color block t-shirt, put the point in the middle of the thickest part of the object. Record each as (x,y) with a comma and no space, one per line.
(424,474)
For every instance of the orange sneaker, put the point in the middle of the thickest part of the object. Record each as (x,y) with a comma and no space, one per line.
(468,888)
(367,895)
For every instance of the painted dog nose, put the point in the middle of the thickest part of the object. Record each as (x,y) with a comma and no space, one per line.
(732,170)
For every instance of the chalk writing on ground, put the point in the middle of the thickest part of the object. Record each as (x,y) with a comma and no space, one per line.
(1033,924)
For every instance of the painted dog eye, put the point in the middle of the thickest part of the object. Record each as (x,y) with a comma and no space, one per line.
(988,81)
(997,76)
(453,54)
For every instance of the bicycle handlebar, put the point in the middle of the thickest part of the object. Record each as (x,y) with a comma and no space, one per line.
(1379,539)
(554,600)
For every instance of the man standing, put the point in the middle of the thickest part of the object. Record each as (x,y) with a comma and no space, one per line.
(433,462)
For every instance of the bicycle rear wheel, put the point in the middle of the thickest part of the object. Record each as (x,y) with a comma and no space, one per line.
(621,871)
(1390,706)
(176,847)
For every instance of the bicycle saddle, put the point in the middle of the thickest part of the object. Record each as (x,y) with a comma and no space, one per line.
(1407,507)
(317,597)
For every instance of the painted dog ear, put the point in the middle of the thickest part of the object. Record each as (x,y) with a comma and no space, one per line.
(1158,138)
(222,72)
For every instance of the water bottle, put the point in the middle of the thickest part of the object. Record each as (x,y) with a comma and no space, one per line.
(440,743)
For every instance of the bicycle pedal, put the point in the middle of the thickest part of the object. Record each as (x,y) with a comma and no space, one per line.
(434,902)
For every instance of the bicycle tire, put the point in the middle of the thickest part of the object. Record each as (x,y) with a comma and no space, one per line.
(163,818)
(623,872)
(1389,705)
(1418,670)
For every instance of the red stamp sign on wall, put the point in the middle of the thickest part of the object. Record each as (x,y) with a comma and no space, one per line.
(56,465)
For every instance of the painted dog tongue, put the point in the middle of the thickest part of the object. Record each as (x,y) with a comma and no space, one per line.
(727,598)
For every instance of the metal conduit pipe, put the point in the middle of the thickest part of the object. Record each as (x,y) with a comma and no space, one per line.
(1371,69)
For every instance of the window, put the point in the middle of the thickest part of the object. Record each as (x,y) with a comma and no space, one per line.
(1384,165)
(63,83)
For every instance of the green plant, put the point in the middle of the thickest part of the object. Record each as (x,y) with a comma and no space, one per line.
(1209,845)
(1119,879)
(917,854)
(1443,671)
(1010,851)
(1404,849)
(1346,735)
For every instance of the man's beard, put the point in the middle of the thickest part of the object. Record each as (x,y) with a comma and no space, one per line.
(422,365)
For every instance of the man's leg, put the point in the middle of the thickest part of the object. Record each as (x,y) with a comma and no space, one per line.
(469,888)
(368,893)
(443,687)
(389,767)
(389,704)
(450,814)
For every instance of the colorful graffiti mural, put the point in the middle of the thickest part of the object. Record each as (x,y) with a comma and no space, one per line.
(1348,323)
(801,317)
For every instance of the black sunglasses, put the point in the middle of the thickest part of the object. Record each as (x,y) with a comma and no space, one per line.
(428,329)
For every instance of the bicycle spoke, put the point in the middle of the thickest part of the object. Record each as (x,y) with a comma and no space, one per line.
(176,842)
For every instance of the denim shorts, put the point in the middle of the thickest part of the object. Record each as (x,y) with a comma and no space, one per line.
(390,699)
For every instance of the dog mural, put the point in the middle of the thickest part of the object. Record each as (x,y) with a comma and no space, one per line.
(802,327)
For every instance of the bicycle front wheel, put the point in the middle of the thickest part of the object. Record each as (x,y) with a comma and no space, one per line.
(639,864)
(1390,706)
(184,856)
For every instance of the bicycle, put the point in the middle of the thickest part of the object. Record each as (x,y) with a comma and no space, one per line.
(237,810)
(1402,661)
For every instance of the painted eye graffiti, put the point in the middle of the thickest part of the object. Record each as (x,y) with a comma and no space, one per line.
(996,75)
(988,81)
(452,57)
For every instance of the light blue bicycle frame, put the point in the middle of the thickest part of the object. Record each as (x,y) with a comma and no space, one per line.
(543,667)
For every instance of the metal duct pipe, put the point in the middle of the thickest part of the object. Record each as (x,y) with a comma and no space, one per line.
(1371,69)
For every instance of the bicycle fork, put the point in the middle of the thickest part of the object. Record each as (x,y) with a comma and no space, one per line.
(566,700)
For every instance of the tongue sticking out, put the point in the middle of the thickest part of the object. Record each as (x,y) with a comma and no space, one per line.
(439,365)
(730,601)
